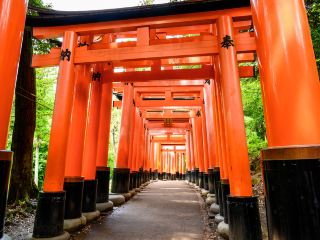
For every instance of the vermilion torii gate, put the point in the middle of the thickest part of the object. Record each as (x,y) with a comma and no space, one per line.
(168,103)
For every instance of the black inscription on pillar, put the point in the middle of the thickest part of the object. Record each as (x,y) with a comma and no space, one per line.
(96,76)
(227,42)
(198,113)
(65,54)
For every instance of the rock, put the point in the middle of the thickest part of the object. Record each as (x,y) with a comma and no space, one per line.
(204,192)
(210,200)
(72,225)
(90,216)
(106,206)
(215,208)
(223,229)
(117,199)
(218,218)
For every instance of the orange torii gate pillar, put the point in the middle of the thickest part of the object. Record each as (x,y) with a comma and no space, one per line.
(50,209)
(240,208)
(102,169)
(90,147)
(121,173)
(73,180)
(12,19)
(290,89)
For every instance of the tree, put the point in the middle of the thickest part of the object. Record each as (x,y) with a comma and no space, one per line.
(21,184)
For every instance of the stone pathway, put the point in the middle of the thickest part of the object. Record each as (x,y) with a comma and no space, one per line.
(164,210)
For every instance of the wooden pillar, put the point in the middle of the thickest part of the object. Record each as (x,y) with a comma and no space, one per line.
(205,141)
(121,174)
(74,181)
(91,143)
(12,20)
(102,169)
(211,138)
(54,175)
(199,140)
(238,161)
(236,136)
(290,87)
(131,137)
(92,128)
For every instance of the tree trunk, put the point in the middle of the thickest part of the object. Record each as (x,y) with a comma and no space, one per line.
(22,186)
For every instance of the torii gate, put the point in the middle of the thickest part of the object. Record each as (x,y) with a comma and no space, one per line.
(218,32)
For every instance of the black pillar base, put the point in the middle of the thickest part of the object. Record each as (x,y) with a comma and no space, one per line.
(164,176)
(145,176)
(201,182)
(103,178)
(188,176)
(49,217)
(211,181)
(73,186)
(160,176)
(196,176)
(135,179)
(131,181)
(216,184)
(225,191)
(89,199)
(193,176)
(140,177)
(292,184)
(244,218)
(206,184)
(5,169)
(120,180)
(183,176)
(169,176)
(155,175)
(177,175)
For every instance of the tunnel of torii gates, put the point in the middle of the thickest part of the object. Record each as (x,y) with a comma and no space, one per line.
(176,68)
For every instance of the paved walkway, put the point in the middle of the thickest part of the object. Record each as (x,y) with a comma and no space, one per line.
(166,210)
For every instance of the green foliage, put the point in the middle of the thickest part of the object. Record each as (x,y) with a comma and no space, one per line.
(254,119)
(46,84)
(313,8)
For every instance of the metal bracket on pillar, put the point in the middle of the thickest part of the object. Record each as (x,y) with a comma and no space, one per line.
(65,54)
(207,81)
(227,42)
(134,102)
(82,44)
(198,113)
(96,76)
